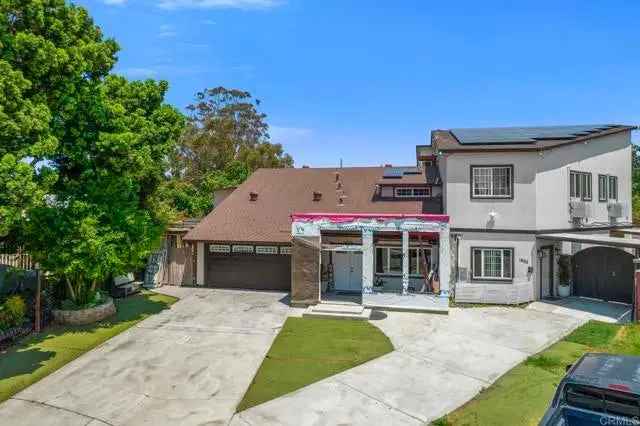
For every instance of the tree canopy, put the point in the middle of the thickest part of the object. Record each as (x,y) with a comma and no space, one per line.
(82,152)
(226,139)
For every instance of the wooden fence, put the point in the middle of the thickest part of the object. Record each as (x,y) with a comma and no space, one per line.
(17,260)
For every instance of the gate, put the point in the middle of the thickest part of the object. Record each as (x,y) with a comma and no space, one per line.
(604,273)
(178,267)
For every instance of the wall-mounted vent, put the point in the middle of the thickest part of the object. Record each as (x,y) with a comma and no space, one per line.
(317,196)
(253,196)
(615,209)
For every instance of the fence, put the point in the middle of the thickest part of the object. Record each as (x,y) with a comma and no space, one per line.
(18,260)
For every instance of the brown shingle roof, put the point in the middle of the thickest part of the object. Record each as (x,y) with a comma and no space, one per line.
(282,192)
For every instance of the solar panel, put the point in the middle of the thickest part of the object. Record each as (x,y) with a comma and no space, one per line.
(524,135)
(398,172)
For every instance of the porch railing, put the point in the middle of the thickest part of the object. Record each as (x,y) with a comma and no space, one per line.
(17,260)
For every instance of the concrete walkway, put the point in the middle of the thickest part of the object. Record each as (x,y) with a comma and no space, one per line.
(440,362)
(189,365)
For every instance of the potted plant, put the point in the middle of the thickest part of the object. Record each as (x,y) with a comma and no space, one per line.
(564,275)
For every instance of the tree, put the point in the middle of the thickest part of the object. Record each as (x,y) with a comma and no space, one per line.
(226,139)
(86,150)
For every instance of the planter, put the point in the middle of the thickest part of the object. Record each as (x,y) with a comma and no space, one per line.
(564,290)
(85,316)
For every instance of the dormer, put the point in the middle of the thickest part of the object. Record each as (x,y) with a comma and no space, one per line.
(409,183)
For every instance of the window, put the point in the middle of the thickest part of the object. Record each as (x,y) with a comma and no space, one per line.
(285,250)
(492,182)
(492,263)
(603,184)
(266,250)
(219,248)
(613,187)
(580,185)
(243,249)
(413,192)
(389,260)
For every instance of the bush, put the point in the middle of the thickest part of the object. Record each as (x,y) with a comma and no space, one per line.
(12,312)
(95,299)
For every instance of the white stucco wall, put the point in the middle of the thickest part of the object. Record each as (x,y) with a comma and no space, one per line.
(541,185)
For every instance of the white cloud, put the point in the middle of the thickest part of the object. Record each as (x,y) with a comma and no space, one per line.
(217,4)
(138,73)
(287,135)
(114,2)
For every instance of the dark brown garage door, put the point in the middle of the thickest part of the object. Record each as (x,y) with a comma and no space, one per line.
(604,273)
(250,271)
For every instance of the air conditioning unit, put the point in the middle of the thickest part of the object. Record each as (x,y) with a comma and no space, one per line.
(578,210)
(615,209)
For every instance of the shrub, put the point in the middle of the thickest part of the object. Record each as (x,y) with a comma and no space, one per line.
(12,312)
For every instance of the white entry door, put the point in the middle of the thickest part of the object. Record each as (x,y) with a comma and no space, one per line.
(347,271)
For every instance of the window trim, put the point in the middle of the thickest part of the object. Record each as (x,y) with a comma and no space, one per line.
(583,180)
(612,178)
(427,189)
(493,279)
(603,190)
(267,250)
(492,197)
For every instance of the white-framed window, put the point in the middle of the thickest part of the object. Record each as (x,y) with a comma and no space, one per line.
(219,248)
(580,185)
(413,192)
(285,250)
(389,260)
(492,263)
(491,181)
(603,186)
(242,249)
(613,187)
(266,250)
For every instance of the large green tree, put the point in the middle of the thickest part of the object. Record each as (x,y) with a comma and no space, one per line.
(226,139)
(82,152)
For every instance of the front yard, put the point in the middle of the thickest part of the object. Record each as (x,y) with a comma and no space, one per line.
(308,350)
(41,354)
(523,394)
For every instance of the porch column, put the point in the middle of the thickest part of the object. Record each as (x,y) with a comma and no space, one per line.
(444,270)
(405,261)
(367,261)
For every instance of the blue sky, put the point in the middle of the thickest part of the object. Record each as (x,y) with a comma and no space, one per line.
(365,81)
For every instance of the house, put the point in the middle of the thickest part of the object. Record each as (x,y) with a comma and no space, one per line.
(483,215)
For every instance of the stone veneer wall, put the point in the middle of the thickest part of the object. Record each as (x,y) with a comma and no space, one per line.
(305,270)
(85,316)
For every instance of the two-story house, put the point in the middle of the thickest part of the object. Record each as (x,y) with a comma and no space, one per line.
(483,216)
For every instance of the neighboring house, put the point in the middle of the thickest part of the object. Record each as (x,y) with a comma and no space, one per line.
(485,213)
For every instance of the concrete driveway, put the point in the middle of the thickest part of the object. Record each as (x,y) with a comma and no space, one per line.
(189,365)
(440,362)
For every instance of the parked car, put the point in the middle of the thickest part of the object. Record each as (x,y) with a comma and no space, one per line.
(599,389)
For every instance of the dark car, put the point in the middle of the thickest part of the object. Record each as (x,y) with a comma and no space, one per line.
(599,389)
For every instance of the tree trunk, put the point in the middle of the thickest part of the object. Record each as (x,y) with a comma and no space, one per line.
(72,292)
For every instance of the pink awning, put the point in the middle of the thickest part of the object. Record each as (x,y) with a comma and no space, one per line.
(352,217)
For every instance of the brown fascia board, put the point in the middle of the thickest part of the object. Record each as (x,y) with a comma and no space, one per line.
(535,148)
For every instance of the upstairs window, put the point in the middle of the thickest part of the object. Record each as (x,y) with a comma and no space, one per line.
(613,187)
(492,263)
(491,181)
(580,185)
(417,192)
(603,185)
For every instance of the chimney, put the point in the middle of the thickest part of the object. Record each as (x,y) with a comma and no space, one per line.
(253,196)
(305,166)
(388,165)
(317,195)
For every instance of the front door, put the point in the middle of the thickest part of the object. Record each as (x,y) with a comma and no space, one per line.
(347,267)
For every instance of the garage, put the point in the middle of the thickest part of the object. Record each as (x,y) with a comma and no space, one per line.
(246,266)
(604,273)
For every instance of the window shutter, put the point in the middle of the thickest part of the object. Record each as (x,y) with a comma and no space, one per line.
(477,263)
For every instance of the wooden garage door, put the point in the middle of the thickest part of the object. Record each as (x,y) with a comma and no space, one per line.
(250,271)
(603,273)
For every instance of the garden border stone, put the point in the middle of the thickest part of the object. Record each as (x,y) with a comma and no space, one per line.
(85,316)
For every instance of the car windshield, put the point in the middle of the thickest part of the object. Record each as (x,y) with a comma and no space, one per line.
(603,400)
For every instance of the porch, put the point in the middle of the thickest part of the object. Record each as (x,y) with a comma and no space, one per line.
(385,261)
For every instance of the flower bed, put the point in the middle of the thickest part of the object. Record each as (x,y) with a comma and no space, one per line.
(85,316)
(14,332)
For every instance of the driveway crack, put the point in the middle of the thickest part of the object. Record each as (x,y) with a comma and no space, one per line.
(44,404)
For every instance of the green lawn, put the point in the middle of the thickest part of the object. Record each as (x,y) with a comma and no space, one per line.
(523,394)
(310,349)
(39,355)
